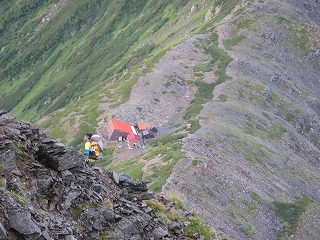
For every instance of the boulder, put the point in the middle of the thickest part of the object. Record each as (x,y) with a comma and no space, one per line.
(3,232)
(6,117)
(7,154)
(58,156)
(160,232)
(23,224)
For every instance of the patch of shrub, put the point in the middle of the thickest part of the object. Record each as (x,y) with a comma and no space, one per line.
(176,200)
(229,43)
(158,207)
(197,225)
(290,213)
(2,183)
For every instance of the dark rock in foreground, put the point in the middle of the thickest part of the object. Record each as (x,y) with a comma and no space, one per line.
(47,192)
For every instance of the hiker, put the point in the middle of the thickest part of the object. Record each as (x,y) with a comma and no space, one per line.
(96,147)
(87,146)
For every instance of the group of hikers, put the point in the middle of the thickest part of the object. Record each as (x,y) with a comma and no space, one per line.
(93,147)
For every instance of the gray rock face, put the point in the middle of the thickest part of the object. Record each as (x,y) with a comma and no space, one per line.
(23,223)
(3,232)
(160,232)
(7,153)
(6,117)
(58,156)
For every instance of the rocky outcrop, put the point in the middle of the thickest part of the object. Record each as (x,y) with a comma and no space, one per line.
(48,192)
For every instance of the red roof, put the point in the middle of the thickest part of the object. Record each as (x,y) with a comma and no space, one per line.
(122,126)
(132,136)
(142,127)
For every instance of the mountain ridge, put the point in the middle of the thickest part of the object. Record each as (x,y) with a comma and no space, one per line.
(249,85)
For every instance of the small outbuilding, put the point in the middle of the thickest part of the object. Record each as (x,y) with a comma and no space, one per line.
(142,127)
(133,140)
(154,129)
(147,134)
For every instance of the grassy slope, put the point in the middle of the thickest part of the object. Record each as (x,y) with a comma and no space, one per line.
(107,52)
(83,45)
(88,48)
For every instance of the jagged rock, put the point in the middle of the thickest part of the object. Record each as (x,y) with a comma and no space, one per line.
(116,177)
(44,183)
(7,154)
(23,223)
(174,225)
(136,237)
(67,176)
(58,156)
(6,117)
(131,184)
(46,235)
(70,237)
(141,196)
(69,199)
(133,225)
(3,232)
(160,232)
(14,185)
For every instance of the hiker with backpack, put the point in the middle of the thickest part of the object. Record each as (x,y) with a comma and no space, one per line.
(87,146)
(93,147)
(96,151)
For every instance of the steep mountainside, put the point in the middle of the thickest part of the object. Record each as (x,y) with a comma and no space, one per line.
(256,154)
(245,74)
(258,145)
(47,192)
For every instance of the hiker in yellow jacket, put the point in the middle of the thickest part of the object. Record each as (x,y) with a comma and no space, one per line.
(87,146)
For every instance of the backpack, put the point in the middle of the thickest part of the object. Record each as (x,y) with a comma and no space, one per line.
(96,150)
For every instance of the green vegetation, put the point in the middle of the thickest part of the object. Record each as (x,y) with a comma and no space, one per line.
(302,42)
(165,139)
(202,68)
(255,153)
(158,207)
(229,43)
(248,230)
(77,211)
(159,173)
(169,152)
(226,9)
(251,208)
(290,213)
(108,235)
(244,225)
(132,168)
(197,225)
(108,203)
(276,131)
(19,197)
(222,98)
(195,162)
(19,148)
(176,200)
(2,182)
(204,94)
(255,197)
(2,170)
